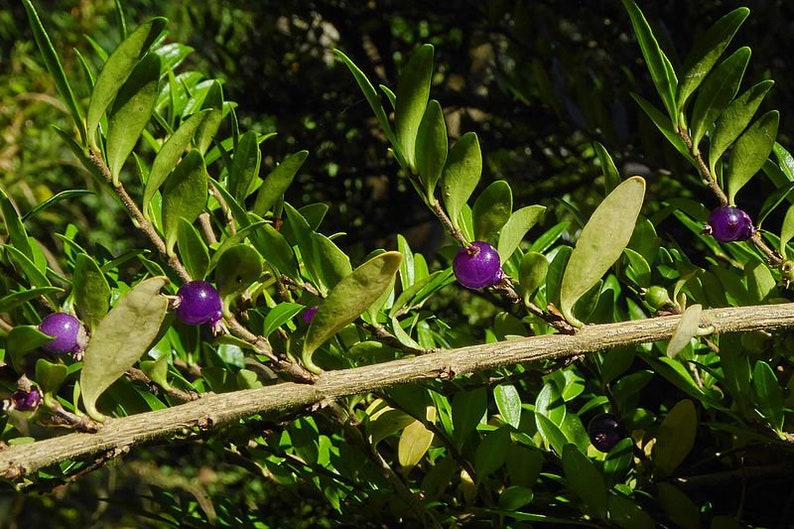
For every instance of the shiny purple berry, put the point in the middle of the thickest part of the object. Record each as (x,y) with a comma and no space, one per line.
(308,314)
(729,223)
(69,333)
(26,400)
(605,430)
(197,303)
(477,266)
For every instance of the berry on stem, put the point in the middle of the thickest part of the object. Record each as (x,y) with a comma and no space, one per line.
(308,314)
(477,266)
(26,400)
(605,430)
(729,223)
(197,303)
(69,334)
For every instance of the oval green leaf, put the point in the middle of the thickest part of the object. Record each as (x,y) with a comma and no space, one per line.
(117,69)
(585,480)
(277,182)
(184,195)
(769,394)
(601,243)
(193,250)
(50,376)
(131,111)
(168,156)
(686,329)
(120,339)
(787,230)
(628,515)
(677,506)
(532,273)
(91,291)
(275,249)
(516,227)
(675,437)
(332,264)
(718,90)
(461,174)
(432,147)
(245,165)
(734,119)
(508,402)
(468,410)
(238,267)
(492,210)
(750,152)
(415,441)
(413,91)
(348,299)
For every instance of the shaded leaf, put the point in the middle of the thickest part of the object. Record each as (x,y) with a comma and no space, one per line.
(208,127)
(468,409)
(734,119)
(551,433)
(245,165)
(718,90)
(120,339)
(184,195)
(237,268)
(750,152)
(675,437)
(664,125)
(277,182)
(332,264)
(432,147)
(54,199)
(192,250)
(14,227)
(492,210)
(50,376)
(22,339)
(413,91)
(91,291)
(769,394)
(117,69)
(11,301)
(601,242)
(608,169)
(585,480)
(130,112)
(349,299)
(461,174)
(628,515)
(516,228)
(532,273)
(275,249)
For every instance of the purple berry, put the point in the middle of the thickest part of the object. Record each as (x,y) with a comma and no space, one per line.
(26,400)
(477,266)
(308,314)
(729,223)
(605,430)
(69,333)
(197,303)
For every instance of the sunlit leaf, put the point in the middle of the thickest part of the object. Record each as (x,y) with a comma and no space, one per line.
(413,91)
(120,339)
(192,250)
(516,228)
(508,402)
(13,226)
(50,376)
(686,329)
(91,291)
(349,299)
(532,273)
(601,242)
(245,165)
(750,152)
(184,195)
(432,147)
(769,394)
(468,409)
(492,209)
(277,182)
(237,268)
(608,168)
(461,174)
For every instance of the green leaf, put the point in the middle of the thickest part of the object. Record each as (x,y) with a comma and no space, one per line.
(277,182)
(492,210)
(184,195)
(413,91)
(22,339)
(675,437)
(662,123)
(769,394)
(275,249)
(514,497)
(628,515)
(750,152)
(192,250)
(13,300)
(491,454)
(245,165)
(237,268)
(550,404)
(157,370)
(168,156)
(14,227)
(686,329)
(601,242)
(348,299)
(608,168)
(432,147)
(120,339)
(130,112)
(54,199)
(91,291)
(532,273)
(372,98)
(208,128)
(734,119)
(508,402)
(117,69)
(53,63)
(414,443)
(279,315)
(461,174)
(551,433)
(516,228)
(681,510)
(28,269)
(619,458)
(718,90)
(707,51)
(468,409)
(50,376)
(585,480)
(658,64)
(332,264)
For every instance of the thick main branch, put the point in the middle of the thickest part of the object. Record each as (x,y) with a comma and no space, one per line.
(120,435)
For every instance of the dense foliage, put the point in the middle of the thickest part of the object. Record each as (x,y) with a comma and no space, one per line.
(438,181)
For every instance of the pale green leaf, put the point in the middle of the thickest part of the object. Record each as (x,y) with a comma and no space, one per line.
(508,402)
(184,195)
(516,228)
(686,329)
(414,442)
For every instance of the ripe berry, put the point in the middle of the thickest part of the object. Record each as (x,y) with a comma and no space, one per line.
(729,223)
(26,400)
(69,333)
(308,314)
(605,430)
(197,303)
(477,266)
